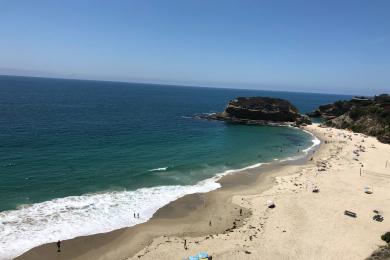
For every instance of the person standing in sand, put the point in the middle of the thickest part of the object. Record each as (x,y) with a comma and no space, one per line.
(59,246)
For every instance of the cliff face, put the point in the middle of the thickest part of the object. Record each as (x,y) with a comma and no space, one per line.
(370,116)
(331,111)
(260,110)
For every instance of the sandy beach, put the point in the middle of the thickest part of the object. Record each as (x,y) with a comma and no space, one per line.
(350,170)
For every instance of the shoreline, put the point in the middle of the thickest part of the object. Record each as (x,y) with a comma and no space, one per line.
(203,186)
(304,224)
(181,210)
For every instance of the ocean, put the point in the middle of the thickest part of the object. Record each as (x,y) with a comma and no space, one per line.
(81,157)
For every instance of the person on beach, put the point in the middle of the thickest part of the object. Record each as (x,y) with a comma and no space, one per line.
(210,223)
(134,215)
(59,246)
(240,212)
(137,215)
(185,244)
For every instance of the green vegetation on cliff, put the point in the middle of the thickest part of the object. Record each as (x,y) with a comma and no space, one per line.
(370,116)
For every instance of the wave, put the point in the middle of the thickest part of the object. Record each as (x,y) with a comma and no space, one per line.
(158,169)
(316,142)
(69,217)
(242,169)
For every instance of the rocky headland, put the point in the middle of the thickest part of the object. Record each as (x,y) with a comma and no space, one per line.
(260,111)
(367,115)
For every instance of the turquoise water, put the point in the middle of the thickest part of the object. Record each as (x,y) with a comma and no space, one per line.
(85,151)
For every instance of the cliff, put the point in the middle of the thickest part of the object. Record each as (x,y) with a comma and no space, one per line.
(261,111)
(369,116)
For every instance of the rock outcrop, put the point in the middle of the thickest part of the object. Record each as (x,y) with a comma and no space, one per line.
(261,111)
(369,116)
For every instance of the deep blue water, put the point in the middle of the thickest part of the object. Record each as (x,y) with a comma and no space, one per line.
(62,138)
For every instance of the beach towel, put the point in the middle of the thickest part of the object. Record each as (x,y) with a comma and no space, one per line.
(203,255)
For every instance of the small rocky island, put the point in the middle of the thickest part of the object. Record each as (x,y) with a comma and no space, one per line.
(260,111)
(367,115)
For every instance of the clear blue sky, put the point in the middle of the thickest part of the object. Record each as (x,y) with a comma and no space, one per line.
(320,46)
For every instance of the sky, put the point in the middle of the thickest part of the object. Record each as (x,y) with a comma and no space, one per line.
(311,46)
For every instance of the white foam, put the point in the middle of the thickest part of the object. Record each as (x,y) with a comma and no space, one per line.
(158,169)
(65,218)
(315,142)
(69,217)
(227,172)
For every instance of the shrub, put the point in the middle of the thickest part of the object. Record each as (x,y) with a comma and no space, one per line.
(356,128)
(357,112)
(386,237)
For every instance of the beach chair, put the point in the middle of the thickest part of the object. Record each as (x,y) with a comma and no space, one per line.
(350,213)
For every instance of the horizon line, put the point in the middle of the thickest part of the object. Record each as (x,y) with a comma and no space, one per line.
(175,84)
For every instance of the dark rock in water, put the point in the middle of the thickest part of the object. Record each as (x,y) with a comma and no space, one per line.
(261,111)
(262,108)
(367,115)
